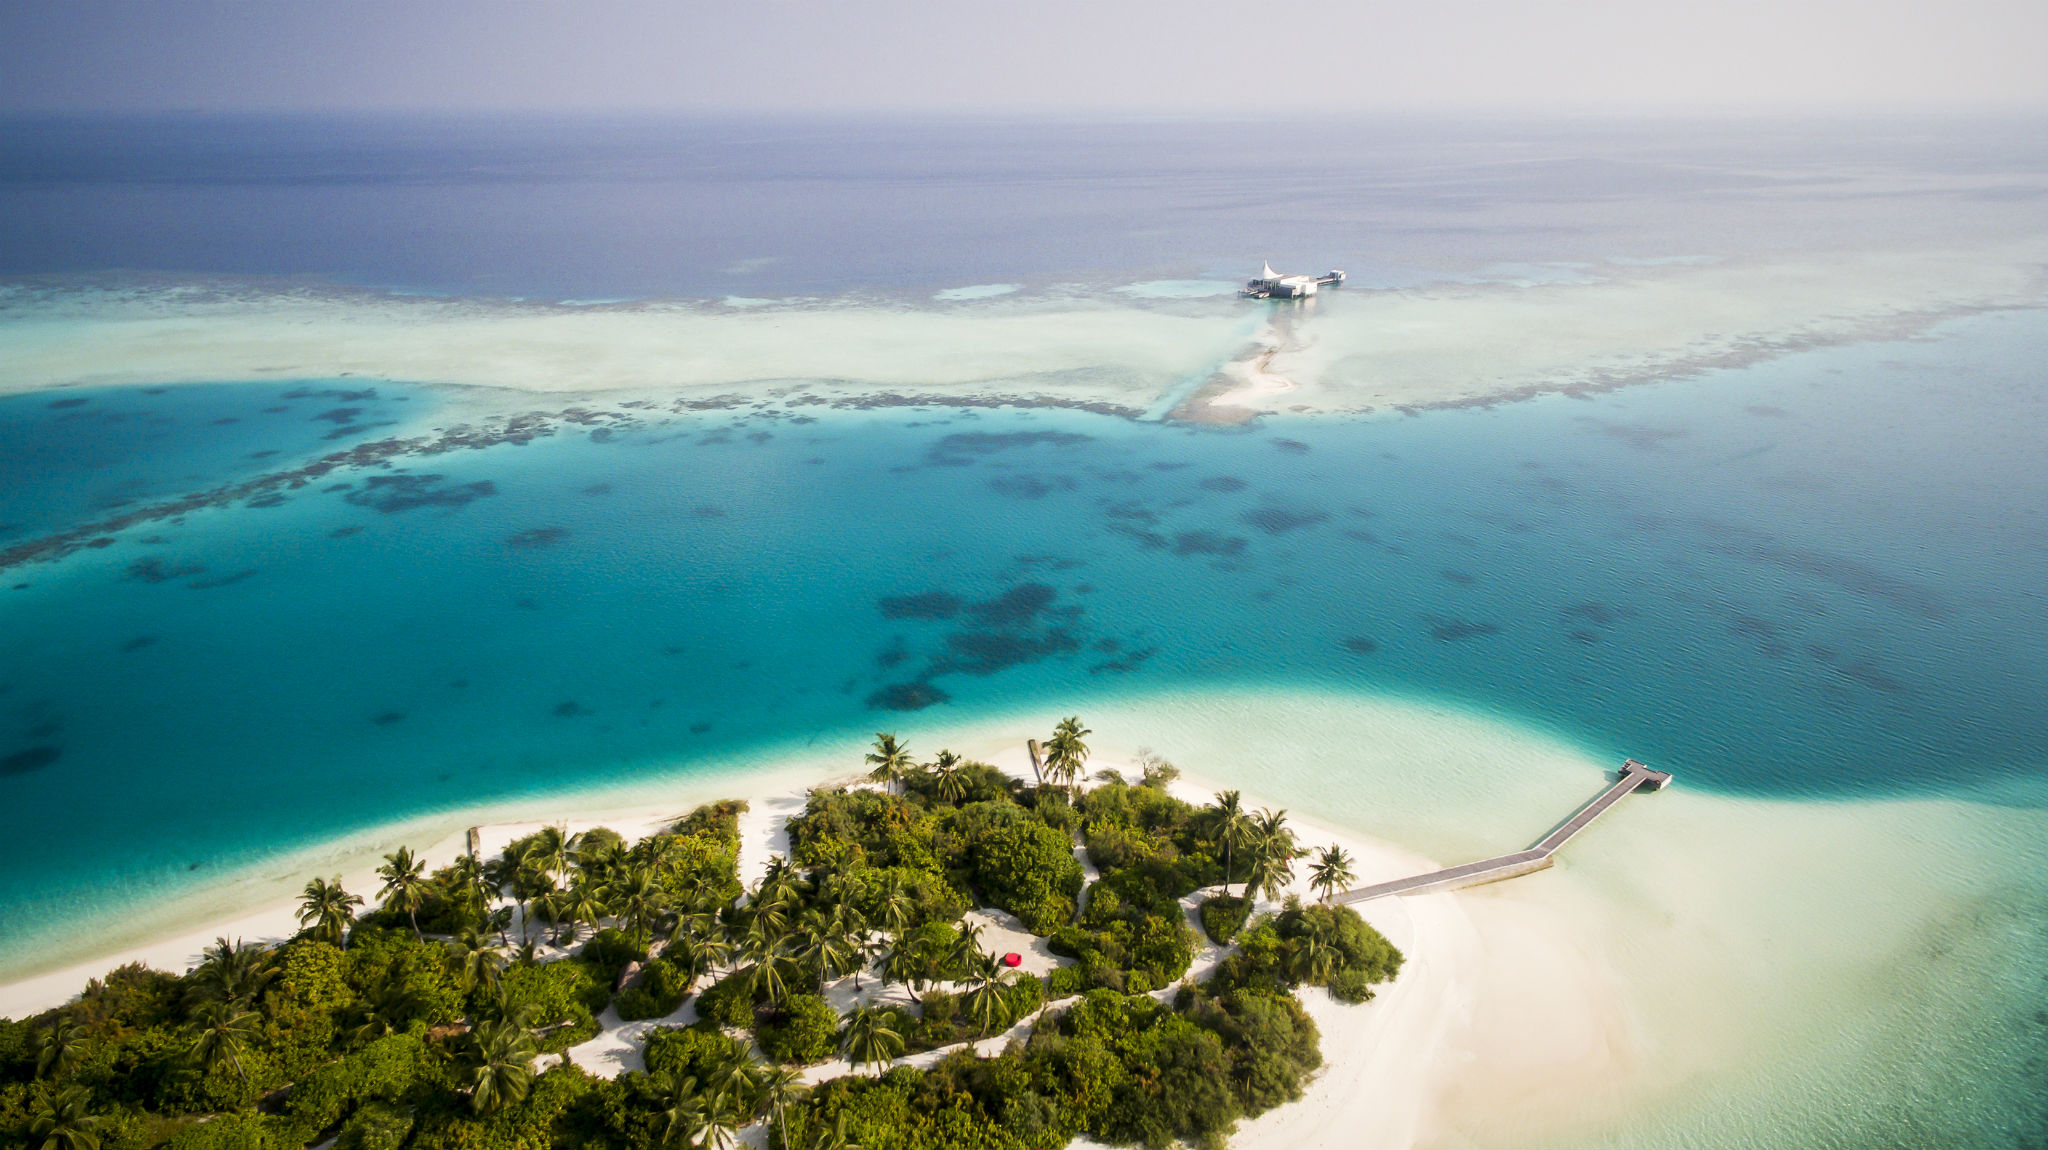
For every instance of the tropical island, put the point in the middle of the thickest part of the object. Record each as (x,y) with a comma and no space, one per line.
(868,990)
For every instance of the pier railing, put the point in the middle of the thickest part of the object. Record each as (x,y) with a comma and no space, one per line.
(1634,776)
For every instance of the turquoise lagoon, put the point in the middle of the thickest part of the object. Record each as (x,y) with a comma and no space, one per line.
(1812,585)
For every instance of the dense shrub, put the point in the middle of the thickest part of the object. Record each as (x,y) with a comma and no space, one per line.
(1271,1041)
(1024,995)
(1065,981)
(312,974)
(932,897)
(557,992)
(1130,930)
(692,1052)
(612,950)
(979,783)
(719,820)
(937,1024)
(1351,986)
(394,960)
(635,1003)
(729,1002)
(236,1131)
(1362,948)
(529,1125)
(377,1126)
(362,1036)
(660,993)
(863,827)
(1223,916)
(803,1031)
(1273,953)
(1028,869)
(383,1071)
(898,1110)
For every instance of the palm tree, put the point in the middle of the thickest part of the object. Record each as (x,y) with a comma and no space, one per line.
(1066,754)
(499,873)
(1311,958)
(867,947)
(405,886)
(326,910)
(59,1048)
(503,876)
(583,902)
(719,1122)
(912,963)
(388,1005)
(1273,852)
(965,949)
(832,1137)
(468,888)
(780,883)
(866,1039)
(600,852)
(638,897)
(551,851)
(738,1081)
(1268,874)
(498,1065)
(890,759)
(949,778)
(1331,872)
(893,904)
(61,1121)
(225,1033)
(697,955)
(530,882)
(503,1007)
(1233,829)
(822,943)
(477,963)
(232,972)
(779,1087)
(772,961)
(549,908)
(682,1115)
(984,1002)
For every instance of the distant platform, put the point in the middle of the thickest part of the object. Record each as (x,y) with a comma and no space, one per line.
(1273,285)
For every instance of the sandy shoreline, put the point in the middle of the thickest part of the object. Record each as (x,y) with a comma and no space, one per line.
(1644,992)
(1388,1064)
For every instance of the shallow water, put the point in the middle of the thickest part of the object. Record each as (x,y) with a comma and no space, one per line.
(1817,579)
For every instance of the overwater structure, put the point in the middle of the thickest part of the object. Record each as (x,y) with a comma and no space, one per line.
(1634,776)
(1270,284)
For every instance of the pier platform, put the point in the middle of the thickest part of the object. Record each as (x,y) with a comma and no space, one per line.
(1634,777)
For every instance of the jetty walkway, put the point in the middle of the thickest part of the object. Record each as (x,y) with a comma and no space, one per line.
(1634,776)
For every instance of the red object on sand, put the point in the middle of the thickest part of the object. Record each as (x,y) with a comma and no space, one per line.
(1013,959)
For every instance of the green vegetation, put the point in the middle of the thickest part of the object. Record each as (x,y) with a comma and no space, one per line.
(1223,916)
(423,1023)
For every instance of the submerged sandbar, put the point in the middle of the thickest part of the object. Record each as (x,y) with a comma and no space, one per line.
(1214,360)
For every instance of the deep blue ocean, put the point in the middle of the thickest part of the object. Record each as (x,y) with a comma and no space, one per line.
(590,208)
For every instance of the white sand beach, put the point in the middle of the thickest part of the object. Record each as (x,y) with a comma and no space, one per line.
(1389,1063)
(1639,992)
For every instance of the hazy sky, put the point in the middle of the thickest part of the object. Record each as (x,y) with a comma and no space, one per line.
(1605,56)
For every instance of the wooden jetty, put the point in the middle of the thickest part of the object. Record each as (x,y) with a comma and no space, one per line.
(1634,777)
